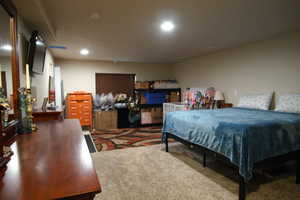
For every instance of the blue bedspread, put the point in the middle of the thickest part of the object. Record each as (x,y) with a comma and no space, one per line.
(245,136)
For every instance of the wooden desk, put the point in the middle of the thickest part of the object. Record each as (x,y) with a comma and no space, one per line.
(227,105)
(47,115)
(52,163)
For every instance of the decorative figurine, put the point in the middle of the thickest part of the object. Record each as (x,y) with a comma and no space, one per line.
(134,112)
(26,104)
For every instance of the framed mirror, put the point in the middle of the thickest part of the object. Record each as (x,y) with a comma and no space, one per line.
(9,81)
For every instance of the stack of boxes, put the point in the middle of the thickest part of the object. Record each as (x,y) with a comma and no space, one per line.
(142,85)
(151,95)
(151,115)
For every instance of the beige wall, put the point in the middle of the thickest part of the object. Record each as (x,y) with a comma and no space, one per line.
(40,82)
(80,75)
(24,30)
(271,65)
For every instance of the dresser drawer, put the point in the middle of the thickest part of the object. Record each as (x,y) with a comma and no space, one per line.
(73,102)
(85,102)
(73,108)
(72,98)
(86,108)
(9,132)
(83,97)
(85,114)
(73,115)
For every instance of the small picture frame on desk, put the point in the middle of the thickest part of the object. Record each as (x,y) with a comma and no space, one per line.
(44,105)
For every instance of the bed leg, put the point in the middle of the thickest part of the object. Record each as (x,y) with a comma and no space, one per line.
(242,188)
(298,172)
(204,158)
(166,142)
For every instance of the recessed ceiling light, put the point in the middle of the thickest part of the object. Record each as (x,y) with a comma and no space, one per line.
(167,26)
(39,43)
(6,47)
(84,52)
(95,16)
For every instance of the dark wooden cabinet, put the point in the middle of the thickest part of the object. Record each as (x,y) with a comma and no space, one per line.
(9,131)
(52,163)
(123,114)
(47,115)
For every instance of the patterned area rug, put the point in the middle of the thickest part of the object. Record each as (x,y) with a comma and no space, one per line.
(126,138)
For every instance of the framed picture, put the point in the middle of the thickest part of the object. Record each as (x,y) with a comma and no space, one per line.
(44,106)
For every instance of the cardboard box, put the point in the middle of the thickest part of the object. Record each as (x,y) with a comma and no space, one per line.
(106,119)
(142,85)
(143,99)
(146,117)
(174,97)
(157,115)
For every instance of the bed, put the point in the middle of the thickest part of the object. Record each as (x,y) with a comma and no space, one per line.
(243,137)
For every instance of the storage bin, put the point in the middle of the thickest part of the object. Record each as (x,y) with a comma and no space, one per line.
(146,117)
(106,119)
(174,97)
(154,98)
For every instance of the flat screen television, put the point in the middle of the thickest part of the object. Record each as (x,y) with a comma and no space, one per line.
(36,53)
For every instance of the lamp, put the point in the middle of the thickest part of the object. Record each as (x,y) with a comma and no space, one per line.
(218,98)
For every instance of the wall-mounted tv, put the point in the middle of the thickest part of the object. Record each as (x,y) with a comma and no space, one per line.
(36,53)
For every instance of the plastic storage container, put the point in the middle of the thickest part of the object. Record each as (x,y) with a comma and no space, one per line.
(155,98)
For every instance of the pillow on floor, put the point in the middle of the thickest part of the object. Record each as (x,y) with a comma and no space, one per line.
(288,103)
(256,101)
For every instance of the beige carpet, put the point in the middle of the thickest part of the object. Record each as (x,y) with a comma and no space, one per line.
(146,173)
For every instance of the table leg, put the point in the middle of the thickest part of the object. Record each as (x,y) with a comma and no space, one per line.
(242,188)
(298,172)
(204,158)
(166,142)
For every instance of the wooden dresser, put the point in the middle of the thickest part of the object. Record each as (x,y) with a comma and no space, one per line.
(52,163)
(46,115)
(79,106)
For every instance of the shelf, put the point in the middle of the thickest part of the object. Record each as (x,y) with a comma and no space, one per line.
(159,90)
(149,125)
(150,105)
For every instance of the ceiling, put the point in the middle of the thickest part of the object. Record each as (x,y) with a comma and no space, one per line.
(128,30)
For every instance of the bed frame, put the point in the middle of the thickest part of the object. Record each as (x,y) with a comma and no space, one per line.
(295,155)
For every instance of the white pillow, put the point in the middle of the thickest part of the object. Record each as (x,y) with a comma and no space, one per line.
(289,103)
(256,101)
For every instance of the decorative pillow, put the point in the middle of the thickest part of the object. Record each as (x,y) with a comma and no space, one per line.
(289,103)
(257,101)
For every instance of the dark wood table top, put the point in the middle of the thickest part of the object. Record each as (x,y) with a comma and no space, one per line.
(46,115)
(52,163)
